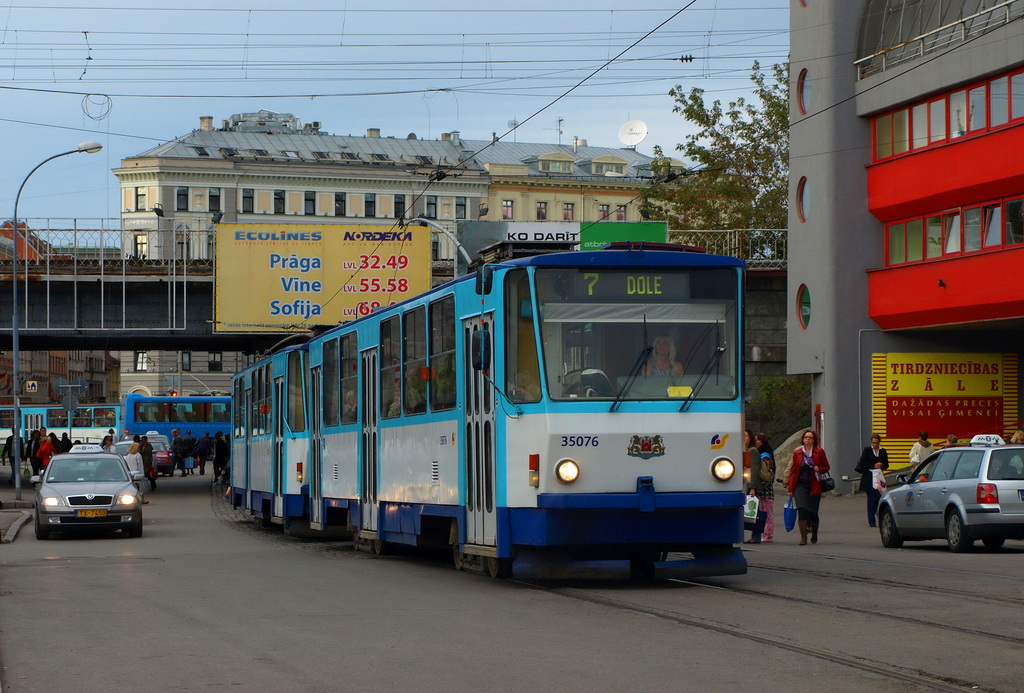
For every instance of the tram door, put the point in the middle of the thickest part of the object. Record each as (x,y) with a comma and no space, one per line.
(479,441)
(277,462)
(33,422)
(240,477)
(316,452)
(368,455)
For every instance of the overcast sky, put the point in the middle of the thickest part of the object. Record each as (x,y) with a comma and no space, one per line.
(133,77)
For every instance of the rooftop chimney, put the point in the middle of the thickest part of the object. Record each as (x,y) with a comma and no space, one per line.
(206,123)
(373,132)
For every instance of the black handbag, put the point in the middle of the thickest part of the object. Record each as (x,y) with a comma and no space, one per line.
(827,482)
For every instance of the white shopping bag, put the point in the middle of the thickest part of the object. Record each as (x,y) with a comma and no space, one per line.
(878,480)
(750,509)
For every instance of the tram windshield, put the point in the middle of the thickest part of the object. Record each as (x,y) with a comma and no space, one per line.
(659,334)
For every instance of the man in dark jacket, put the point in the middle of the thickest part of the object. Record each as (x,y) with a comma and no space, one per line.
(188,447)
(202,452)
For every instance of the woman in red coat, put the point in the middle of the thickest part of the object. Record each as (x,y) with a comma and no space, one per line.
(804,485)
(46,450)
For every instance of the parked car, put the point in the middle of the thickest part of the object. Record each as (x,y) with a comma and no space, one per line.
(161,451)
(87,488)
(961,494)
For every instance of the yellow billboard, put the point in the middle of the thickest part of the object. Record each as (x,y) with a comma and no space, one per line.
(941,394)
(280,277)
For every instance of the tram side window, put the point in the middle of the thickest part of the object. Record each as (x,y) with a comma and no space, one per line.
(349,378)
(442,354)
(7,419)
(332,383)
(237,402)
(390,365)
(414,349)
(82,418)
(296,408)
(104,416)
(522,367)
(56,418)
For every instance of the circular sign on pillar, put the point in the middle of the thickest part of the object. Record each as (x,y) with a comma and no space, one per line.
(70,402)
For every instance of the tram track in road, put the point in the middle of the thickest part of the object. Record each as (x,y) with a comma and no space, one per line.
(886,671)
(858,611)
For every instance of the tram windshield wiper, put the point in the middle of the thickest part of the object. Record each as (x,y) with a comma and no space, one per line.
(713,364)
(638,365)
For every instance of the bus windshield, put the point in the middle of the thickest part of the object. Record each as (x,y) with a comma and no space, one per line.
(658,334)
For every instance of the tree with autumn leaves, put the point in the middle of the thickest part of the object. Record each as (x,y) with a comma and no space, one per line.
(738,175)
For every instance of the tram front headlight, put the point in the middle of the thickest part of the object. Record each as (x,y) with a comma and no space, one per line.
(723,469)
(567,471)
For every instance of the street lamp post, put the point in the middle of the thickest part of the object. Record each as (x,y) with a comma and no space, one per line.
(447,234)
(89,147)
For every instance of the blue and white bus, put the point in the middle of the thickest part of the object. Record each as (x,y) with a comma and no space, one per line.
(515,416)
(163,413)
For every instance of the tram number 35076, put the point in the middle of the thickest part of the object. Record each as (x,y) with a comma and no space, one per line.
(579,441)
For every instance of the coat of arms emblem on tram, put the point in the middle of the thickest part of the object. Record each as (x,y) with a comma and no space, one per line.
(645,447)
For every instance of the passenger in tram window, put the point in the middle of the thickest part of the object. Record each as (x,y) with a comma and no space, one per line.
(348,412)
(663,358)
(415,393)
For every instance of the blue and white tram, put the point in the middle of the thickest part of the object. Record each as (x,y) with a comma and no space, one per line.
(270,441)
(519,416)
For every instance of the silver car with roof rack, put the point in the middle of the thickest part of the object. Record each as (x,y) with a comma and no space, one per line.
(87,488)
(960,494)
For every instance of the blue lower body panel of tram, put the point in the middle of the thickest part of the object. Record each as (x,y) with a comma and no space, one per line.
(602,535)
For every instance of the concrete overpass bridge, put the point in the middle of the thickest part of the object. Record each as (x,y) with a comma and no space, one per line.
(132,289)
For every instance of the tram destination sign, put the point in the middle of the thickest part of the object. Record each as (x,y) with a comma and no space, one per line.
(273,277)
(666,284)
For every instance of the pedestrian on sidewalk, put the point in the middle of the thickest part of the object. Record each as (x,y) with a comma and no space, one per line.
(872,457)
(809,462)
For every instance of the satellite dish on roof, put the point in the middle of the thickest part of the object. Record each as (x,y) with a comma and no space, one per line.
(633,133)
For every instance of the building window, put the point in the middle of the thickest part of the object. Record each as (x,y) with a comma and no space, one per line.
(214,200)
(247,199)
(216,362)
(309,203)
(370,207)
(430,210)
(399,206)
(569,211)
(140,199)
(186,360)
(507,209)
(460,208)
(602,212)
(620,213)
(141,361)
(339,204)
(556,166)
(803,91)
(279,202)
(802,198)
(542,211)
(140,246)
(601,169)
(181,200)
(1014,222)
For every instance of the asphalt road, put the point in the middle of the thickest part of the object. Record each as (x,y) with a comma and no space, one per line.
(206,600)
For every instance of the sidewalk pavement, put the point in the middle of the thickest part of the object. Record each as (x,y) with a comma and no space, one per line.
(14,513)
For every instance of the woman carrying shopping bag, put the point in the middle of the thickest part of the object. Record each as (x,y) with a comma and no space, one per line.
(809,463)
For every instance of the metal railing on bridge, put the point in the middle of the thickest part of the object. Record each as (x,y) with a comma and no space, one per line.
(760,248)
